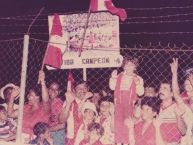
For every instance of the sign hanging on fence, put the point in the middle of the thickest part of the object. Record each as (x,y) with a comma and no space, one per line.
(100,47)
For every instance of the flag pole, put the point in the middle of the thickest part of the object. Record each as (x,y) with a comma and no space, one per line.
(46,51)
(84,74)
(44,58)
(45,55)
(85,29)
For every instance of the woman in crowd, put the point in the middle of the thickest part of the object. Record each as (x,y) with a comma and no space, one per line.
(37,109)
(52,94)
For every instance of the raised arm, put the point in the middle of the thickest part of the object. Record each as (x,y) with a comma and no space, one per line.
(158,136)
(181,109)
(139,85)
(45,96)
(175,85)
(66,107)
(113,80)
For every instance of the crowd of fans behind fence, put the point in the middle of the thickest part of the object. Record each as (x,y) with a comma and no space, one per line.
(129,112)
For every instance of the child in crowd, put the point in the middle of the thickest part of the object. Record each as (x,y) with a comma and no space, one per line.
(106,91)
(95,131)
(7,126)
(149,91)
(106,119)
(7,92)
(89,113)
(95,98)
(146,131)
(126,85)
(41,130)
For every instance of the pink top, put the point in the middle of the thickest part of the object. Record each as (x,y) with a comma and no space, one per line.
(30,118)
(132,95)
(170,132)
(56,107)
(147,138)
(169,128)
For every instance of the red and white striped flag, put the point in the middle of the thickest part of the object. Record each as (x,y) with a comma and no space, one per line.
(70,83)
(102,5)
(53,56)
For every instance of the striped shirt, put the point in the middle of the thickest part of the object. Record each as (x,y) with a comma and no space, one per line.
(7,128)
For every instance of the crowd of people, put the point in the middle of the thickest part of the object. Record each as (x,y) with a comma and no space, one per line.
(134,115)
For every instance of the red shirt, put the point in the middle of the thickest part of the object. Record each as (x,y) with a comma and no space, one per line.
(147,138)
(170,132)
(56,107)
(30,118)
(169,128)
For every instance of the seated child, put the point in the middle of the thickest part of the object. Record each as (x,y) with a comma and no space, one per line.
(7,126)
(95,131)
(146,131)
(41,130)
(89,114)
(106,119)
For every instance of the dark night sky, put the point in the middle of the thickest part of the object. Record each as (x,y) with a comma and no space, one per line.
(26,7)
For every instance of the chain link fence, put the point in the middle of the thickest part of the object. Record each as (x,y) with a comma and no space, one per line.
(10,61)
(153,66)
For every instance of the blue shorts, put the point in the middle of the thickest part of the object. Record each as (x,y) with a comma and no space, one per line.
(58,137)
